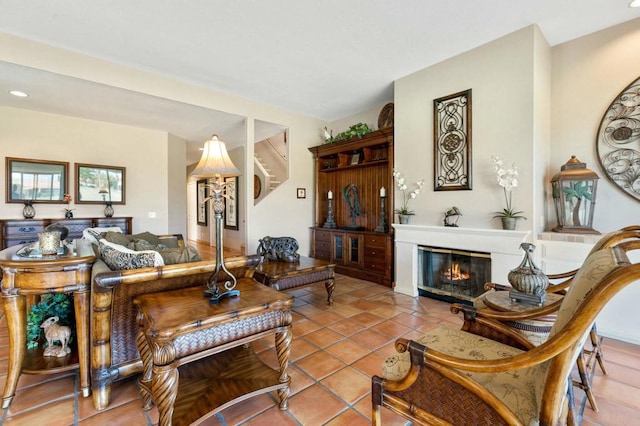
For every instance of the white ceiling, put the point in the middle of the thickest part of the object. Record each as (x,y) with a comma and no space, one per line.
(327,59)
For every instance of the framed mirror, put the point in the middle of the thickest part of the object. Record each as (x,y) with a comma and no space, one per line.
(96,184)
(38,181)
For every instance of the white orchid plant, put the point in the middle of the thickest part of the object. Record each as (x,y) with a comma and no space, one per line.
(406,196)
(507,179)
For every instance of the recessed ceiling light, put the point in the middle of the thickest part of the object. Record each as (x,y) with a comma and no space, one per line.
(634,3)
(18,93)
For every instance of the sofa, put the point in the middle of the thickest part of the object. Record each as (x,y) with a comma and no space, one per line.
(114,352)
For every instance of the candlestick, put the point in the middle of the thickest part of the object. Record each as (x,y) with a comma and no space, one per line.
(330,223)
(383,225)
(330,195)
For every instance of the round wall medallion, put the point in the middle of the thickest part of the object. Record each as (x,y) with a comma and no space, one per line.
(385,118)
(618,141)
(257,186)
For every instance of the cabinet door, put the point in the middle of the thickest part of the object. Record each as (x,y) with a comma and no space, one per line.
(338,248)
(354,249)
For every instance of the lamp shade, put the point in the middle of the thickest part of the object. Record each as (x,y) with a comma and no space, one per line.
(215,160)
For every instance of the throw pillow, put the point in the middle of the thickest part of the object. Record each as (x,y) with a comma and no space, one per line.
(117,238)
(152,239)
(118,257)
(171,256)
(94,234)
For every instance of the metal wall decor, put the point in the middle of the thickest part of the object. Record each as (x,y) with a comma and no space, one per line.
(452,142)
(618,141)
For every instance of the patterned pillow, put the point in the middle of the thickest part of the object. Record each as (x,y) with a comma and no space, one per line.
(119,257)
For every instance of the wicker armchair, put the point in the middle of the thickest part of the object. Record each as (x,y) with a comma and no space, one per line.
(454,377)
(114,353)
(519,325)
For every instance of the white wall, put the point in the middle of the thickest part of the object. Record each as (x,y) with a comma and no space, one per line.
(176,184)
(41,136)
(502,76)
(587,74)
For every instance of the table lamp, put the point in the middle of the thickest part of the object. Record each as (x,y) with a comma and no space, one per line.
(216,164)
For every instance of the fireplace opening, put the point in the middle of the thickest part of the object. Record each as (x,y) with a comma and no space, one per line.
(452,275)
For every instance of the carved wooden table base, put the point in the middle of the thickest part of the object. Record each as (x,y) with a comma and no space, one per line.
(198,358)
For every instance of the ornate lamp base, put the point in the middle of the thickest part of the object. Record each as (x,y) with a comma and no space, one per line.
(215,295)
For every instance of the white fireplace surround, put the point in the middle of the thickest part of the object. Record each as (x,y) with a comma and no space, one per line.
(504,247)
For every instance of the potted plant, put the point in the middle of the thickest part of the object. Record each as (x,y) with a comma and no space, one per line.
(403,211)
(507,179)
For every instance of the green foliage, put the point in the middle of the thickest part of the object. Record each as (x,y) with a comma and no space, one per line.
(358,130)
(50,305)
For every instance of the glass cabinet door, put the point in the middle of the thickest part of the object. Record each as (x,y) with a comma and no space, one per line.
(354,250)
(338,248)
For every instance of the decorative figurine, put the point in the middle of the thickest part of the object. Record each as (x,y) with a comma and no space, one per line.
(350,194)
(54,332)
(451,217)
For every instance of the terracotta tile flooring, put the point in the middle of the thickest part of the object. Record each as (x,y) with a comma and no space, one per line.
(336,349)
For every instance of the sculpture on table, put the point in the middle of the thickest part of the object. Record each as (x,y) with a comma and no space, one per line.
(350,193)
(279,249)
(451,217)
(56,333)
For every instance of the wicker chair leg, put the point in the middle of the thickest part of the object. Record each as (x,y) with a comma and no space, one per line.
(585,381)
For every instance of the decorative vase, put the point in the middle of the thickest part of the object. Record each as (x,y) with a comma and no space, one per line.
(509,223)
(527,279)
(68,214)
(28,211)
(49,243)
(108,210)
(404,218)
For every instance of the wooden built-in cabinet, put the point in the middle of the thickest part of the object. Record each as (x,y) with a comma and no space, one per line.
(21,231)
(365,253)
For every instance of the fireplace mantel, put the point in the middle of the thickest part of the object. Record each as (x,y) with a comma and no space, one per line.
(504,247)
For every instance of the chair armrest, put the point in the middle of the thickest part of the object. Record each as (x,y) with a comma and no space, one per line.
(497,287)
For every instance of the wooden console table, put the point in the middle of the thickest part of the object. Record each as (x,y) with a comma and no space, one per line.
(196,356)
(287,275)
(26,278)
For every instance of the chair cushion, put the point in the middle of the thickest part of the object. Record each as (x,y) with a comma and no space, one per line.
(519,390)
(595,267)
(118,257)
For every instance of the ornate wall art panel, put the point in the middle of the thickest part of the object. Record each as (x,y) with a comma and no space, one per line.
(618,142)
(452,142)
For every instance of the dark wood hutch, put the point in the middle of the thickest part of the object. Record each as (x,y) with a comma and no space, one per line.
(354,245)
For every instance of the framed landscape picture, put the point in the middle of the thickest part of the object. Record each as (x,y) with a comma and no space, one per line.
(231,204)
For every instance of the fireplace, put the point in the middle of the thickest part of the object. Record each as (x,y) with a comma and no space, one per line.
(452,275)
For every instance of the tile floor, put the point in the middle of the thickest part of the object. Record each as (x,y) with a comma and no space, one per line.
(336,349)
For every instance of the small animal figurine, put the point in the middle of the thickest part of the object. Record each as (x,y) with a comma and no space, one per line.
(451,217)
(54,332)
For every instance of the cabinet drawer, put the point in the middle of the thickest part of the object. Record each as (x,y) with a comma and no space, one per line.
(323,246)
(375,253)
(323,236)
(377,265)
(375,241)
(323,255)
(22,228)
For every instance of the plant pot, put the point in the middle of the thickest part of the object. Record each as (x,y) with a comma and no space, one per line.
(509,223)
(404,218)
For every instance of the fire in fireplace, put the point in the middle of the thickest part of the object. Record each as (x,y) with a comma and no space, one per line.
(452,275)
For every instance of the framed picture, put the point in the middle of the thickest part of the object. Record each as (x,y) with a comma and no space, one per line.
(452,142)
(201,208)
(302,193)
(355,158)
(231,203)
(38,181)
(96,184)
